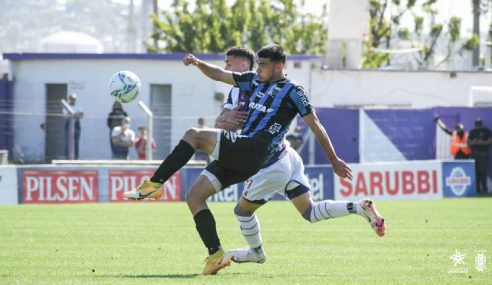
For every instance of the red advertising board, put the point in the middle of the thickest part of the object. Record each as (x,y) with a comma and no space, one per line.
(391,181)
(125,180)
(47,186)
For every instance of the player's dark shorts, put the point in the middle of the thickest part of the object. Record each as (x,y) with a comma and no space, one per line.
(239,157)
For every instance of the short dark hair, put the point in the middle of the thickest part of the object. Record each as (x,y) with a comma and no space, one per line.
(273,52)
(243,52)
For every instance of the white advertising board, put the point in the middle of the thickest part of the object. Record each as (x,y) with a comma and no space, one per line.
(8,185)
(391,181)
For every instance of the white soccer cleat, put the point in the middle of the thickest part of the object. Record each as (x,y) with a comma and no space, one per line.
(241,255)
(372,215)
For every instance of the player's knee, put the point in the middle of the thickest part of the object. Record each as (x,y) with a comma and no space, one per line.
(191,133)
(238,211)
(191,136)
(192,197)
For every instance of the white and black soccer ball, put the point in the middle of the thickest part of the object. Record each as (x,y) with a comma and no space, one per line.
(124,86)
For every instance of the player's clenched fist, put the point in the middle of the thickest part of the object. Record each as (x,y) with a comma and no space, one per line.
(190,59)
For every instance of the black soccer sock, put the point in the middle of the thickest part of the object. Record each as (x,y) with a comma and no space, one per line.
(205,225)
(178,158)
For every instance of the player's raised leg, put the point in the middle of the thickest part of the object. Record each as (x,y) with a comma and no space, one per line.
(330,209)
(194,138)
(250,229)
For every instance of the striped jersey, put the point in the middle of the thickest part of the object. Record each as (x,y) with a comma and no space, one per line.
(272,107)
(237,98)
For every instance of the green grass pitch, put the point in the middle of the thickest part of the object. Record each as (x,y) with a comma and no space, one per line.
(156,243)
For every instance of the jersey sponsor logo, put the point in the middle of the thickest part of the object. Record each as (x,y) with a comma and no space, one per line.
(274,91)
(302,96)
(458,181)
(232,136)
(275,128)
(260,107)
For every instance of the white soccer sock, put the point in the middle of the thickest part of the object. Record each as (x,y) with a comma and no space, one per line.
(329,209)
(250,228)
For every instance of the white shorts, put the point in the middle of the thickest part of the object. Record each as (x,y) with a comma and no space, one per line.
(274,179)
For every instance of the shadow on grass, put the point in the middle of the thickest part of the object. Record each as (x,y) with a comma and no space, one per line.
(172,276)
(195,275)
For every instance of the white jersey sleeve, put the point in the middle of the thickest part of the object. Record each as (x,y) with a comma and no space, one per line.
(232,99)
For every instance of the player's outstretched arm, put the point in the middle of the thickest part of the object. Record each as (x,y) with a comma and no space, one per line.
(210,70)
(339,166)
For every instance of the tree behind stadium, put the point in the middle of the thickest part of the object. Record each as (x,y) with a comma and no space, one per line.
(214,26)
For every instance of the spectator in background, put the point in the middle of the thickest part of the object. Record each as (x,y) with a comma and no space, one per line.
(459,147)
(141,143)
(123,138)
(115,118)
(200,154)
(201,122)
(75,120)
(480,140)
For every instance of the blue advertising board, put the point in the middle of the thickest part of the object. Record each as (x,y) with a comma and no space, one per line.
(458,178)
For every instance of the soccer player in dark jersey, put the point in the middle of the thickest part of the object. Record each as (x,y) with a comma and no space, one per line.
(274,102)
(285,176)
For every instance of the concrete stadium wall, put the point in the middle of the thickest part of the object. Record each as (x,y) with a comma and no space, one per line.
(89,80)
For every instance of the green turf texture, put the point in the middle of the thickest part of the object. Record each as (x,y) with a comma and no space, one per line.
(156,243)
